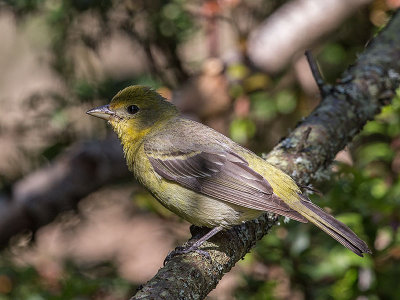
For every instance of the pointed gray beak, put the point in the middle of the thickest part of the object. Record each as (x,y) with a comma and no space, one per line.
(102,112)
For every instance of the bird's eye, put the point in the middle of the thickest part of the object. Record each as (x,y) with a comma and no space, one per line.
(132,109)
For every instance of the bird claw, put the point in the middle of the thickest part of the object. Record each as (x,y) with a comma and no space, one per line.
(183,250)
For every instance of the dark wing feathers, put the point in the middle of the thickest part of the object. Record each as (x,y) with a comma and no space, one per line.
(336,229)
(224,176)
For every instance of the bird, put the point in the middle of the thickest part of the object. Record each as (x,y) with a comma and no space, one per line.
(203,176)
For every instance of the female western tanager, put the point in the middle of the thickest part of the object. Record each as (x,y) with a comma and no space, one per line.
(203,176)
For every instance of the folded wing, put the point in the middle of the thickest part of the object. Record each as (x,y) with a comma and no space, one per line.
(222,175)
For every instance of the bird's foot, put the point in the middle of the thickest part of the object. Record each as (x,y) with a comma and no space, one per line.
(195,246)
(185,250)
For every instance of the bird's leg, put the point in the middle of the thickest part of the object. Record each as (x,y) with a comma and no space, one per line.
(195,246)
(204,238)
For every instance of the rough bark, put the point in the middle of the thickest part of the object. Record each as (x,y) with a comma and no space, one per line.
(305,154)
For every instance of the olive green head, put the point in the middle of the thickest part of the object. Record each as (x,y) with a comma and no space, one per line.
(134,111)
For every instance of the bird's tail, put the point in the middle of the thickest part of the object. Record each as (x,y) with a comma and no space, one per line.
(331,226)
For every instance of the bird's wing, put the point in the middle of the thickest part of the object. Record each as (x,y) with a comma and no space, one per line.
(223,175)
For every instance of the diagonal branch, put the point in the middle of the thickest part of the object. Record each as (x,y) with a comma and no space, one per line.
(305,154)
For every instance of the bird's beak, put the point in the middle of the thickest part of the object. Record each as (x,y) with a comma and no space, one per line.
(102,112)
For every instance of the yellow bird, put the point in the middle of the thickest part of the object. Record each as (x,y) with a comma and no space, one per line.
(202,175)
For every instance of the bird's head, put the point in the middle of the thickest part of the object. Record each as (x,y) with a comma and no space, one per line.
(134,111)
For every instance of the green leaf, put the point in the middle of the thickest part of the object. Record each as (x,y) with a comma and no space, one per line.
(241,130)
(375,151)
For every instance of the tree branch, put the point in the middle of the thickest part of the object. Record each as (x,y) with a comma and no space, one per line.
(42,195)
(324,88)
(295,26)
(359,95)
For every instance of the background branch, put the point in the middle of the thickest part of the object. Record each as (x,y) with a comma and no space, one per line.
(361,92)
(274,43)
(42,195)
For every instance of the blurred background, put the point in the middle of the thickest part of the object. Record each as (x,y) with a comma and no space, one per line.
(235,65)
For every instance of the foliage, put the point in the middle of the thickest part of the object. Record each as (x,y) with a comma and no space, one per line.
(76,282)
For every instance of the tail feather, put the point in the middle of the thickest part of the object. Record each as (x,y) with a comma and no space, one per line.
(333,227)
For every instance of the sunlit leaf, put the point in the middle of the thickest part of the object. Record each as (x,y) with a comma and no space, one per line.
(241,130)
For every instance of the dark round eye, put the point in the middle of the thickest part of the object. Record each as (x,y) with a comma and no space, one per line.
(132,109)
